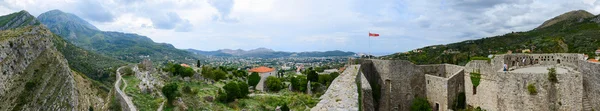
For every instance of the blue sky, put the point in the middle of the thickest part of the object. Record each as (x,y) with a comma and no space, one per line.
(309,25)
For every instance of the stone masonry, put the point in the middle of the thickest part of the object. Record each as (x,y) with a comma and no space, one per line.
(392,85)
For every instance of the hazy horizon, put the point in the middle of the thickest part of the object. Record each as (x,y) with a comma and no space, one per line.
(297,26)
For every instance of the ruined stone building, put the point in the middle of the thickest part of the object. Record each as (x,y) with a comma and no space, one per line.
(503,81)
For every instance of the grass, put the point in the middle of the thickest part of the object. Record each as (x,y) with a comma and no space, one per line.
(143,101)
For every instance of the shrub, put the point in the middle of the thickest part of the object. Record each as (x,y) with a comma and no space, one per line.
(127,70)
(232,90)
(219,75)
(552,75)
(274,84)
(243,89)
(325,79)
(420,104)
(253,79)
(531,89)
(222,96)
(299,83)
(334,75)
(170,91)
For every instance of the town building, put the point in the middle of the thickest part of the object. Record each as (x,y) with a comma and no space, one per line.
(264,72)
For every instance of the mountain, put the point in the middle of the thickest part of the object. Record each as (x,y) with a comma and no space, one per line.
(268,53)
(123,46)
(577,34)
(36,75)
(17,19)
(578,15)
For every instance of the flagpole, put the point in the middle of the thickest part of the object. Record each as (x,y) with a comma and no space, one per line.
(369,45)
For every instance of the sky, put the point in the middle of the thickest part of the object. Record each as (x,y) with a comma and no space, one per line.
(309,25)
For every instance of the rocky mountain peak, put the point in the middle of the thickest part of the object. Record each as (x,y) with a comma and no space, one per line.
(72,21)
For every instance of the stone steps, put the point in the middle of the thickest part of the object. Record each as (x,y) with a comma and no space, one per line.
(586,104)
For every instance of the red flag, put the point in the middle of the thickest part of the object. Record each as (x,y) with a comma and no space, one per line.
(373,34)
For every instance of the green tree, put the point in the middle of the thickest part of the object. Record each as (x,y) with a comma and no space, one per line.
(325,79)
(274,84)
(127,70)
(334,75)
(198,63)
(243,89)
(253,79)
(313,76)
(233,91)
(219,75)
(207,72)
(170,91)
(420,104)
(187,72)
(299,83)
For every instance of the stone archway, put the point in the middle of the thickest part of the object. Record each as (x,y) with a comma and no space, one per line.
(558,61)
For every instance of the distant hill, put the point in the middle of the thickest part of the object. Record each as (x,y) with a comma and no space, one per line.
(572,32)
(268,53)
(123,46)
(572,15)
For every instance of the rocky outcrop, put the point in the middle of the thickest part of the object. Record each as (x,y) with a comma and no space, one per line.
(35,76)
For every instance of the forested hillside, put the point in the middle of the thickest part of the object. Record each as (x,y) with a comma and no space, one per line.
(576,34)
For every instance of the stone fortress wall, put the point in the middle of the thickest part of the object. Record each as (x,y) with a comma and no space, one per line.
(507,90)
(591,85)
(399,82)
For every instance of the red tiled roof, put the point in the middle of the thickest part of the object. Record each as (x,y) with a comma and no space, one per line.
(262,69)
(592,60)
(184,65)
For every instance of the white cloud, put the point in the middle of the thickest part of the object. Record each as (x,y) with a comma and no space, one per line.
(305,25)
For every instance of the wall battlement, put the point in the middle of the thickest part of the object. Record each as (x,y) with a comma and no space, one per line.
(396,83)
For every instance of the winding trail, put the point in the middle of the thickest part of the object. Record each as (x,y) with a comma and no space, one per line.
(121,95)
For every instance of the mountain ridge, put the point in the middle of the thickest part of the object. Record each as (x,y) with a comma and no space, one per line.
(269,53)
(128,47)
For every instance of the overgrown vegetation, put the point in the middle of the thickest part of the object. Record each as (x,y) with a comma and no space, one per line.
(531,89)
(143,101)
(552,75)
(216,74)
(177,70)
(475,78)
(253,79)
(482,58)
(460,102)
(420,104)
(274,84)
(171,92)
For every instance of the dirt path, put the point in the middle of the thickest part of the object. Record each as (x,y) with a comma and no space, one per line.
(128,101)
